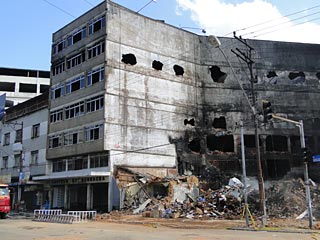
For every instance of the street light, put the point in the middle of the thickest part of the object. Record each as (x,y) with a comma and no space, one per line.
(215,42)
(195,28)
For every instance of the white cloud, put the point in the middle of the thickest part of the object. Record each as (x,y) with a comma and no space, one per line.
(220,18)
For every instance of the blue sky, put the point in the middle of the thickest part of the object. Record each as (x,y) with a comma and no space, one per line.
(27,25)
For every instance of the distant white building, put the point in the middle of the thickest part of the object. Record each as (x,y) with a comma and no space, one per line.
(23,135)
(22,84)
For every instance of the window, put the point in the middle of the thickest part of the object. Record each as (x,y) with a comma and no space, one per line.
(5,162)
(18,136)
(94,104)
(76,60)
(44,88)
(97,161)
(7,86)
(57,91)
(75,84)
(95,76)
(59,166)
(58,47)
(95,50)
(56,116)
(77,163)
(74,110)
(34,157)
(77,36)
(97,24)
(94,132)
(28,88)
(73,137)
(55,141)
(6,139)
(36,130)
(58,68)
(17,159)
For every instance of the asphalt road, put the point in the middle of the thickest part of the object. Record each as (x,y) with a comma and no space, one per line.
(18,229)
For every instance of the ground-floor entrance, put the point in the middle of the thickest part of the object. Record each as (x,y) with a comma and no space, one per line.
(75,196)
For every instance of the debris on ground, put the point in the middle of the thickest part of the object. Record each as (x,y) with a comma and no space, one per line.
(191,197)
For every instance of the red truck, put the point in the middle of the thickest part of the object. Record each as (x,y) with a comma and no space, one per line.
(4,200)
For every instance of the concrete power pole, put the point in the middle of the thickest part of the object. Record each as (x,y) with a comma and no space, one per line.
(248,59)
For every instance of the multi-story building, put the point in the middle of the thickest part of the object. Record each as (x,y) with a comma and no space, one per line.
(23,151)
(20,85)
(131,91)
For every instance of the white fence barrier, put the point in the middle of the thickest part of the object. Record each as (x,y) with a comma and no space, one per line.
(55,215)
(83,216)
(47,212)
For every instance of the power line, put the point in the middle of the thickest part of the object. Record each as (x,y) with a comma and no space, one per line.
(275,19)
(289,21)
(59,8)
(88,3)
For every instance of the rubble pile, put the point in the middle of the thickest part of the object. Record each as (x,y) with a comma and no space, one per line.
(186,200)
(194,198)
(287,198)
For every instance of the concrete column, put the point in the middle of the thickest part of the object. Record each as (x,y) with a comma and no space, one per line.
(50,192)
(66,197)
(289,144)
(88,197)
(110,195)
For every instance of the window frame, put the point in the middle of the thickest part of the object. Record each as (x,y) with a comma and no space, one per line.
(96,49)
(34,158)
(51,140)
(55,88)
(74,110)
(68,137)
(56,116)
(95,103)
(94,132)
(101,19)
(91,73)
(70,84)
(5,160)
(6,140)
(19,134)
(35,131)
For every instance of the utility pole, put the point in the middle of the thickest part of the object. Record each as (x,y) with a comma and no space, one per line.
(248,59)
(306,175)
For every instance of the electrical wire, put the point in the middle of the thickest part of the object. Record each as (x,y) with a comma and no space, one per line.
(59,8)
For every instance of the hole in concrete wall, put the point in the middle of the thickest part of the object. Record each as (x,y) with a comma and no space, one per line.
(276,143)
(318,75)
(295,144)
(272,74)
(194,145)
(249,141)
(297,77)
(217,75)
(222,143)
(178,70)
(277,168)
(157,65)
(189,121)
(129,59)
(220,123)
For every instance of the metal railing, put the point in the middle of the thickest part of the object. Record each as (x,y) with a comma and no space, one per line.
(83,216)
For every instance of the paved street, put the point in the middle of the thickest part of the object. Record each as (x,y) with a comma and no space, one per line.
(26,229)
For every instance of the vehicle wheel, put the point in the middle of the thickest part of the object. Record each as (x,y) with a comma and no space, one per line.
(2,215)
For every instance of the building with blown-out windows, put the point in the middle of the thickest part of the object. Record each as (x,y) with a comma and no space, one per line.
(134,92)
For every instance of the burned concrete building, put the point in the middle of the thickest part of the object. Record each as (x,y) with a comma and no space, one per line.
(134,92)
